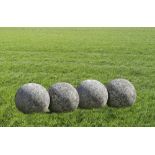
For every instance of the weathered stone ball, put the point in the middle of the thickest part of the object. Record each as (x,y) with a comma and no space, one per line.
(64,97)
(121,93)
(92,93)
(31,98)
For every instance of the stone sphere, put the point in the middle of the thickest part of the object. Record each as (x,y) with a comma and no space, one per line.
(121,93)
(64,97)
(31,98)
(92,93)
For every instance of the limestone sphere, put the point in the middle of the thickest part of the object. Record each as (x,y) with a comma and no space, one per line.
(92,93)
(121,93)
(64,97)
(31,98)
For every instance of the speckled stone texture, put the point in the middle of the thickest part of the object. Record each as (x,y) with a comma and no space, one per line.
(121,93)
(31,98)
(64,97)
(92,93)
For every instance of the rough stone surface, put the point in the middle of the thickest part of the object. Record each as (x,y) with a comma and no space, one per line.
(64,97)
(121,93)
(93,94)
(31,98)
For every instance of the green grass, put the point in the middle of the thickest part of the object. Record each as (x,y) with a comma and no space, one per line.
(50,55)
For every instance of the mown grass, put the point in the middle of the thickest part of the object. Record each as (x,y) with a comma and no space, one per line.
(50,55)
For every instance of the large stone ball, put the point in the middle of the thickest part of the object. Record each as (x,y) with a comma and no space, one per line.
(92,93)
(31,98)
(121,93)
(64,97)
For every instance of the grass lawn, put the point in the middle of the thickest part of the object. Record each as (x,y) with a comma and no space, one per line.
(50,55)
